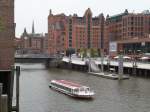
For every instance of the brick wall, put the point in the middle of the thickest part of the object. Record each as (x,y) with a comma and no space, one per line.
(74,32)
(7,34)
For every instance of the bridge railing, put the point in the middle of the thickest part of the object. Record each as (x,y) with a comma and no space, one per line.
(33,56)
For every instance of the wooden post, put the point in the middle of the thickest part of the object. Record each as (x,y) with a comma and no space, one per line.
(134,68)
(145,73)
(11,89)
(47,63)
(102,61)
(4,99)
(89,65)
(128,71)
(120,66)
(108,65)
(1,86)
(17,87)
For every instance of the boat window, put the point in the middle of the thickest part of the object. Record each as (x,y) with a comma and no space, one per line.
(81,89)
(76,90)
(88,89)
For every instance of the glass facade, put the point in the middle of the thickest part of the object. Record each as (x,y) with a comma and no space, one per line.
(140,48)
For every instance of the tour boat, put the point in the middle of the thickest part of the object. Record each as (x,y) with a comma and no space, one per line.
(72,89)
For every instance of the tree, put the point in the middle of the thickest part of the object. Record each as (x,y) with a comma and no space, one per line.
(94,52)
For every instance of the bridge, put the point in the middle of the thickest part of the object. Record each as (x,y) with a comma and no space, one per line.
(37,58)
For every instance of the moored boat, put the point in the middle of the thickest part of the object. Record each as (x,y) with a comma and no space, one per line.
(72,89)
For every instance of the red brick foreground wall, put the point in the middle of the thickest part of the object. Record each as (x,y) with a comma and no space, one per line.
(7,34)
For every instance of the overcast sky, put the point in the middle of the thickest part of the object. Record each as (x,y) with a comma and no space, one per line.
(28,10)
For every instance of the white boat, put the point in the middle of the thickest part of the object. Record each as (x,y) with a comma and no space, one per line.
(72,89)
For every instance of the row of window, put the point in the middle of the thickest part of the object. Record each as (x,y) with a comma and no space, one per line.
(137,48)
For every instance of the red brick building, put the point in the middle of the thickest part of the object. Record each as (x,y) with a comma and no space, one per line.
(45,44)
(17,43)
(75,32)
(33,43)
(7,34)
(57,32)
(128,33)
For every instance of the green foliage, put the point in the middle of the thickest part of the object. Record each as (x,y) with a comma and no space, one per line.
(93,52)
(83,52)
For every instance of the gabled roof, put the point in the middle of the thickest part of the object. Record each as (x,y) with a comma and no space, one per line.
(88,11)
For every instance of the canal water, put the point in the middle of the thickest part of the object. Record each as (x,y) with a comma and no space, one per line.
(131,95)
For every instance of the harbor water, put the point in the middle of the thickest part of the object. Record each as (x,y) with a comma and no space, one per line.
(131,95)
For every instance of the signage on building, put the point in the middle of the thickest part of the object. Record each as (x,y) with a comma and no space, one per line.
(143,43)
(113,46)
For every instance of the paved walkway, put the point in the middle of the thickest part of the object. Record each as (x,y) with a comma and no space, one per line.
(79,61)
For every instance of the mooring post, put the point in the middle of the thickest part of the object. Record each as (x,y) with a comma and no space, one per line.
(3,100)
(145,73)
(120,66)
(102,61)
(134,64)
(1,87)
(47,63)
(108,65)
(17,87)
(89,65)
(4,105)
(16,108)
(11,89)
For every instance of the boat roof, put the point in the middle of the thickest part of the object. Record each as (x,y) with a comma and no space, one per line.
(69,84)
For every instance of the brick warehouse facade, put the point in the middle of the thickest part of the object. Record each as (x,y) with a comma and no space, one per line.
(75,32)
(33,43)
(57,32)
(7,34)
(135,34)
(129,32)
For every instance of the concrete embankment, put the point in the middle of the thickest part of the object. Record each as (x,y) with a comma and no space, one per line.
(141,70)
